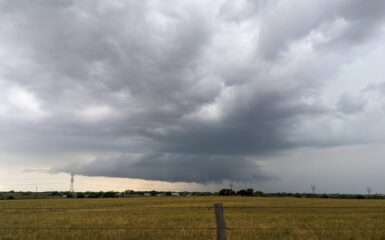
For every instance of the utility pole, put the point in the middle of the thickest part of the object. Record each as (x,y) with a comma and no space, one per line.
(231,187)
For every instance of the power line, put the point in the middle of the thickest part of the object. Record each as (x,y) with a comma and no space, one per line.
(107,228)
(190,207)
(192,228)
(306,229)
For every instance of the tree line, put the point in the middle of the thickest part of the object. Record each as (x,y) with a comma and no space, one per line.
(248,192)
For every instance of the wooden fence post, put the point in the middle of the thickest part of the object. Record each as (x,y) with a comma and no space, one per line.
(220,220)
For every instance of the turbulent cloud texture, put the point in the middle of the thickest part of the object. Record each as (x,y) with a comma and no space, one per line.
(192,91)
(172,167)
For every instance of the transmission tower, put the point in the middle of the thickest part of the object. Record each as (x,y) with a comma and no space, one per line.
(313,188)
(231,187)
(369,190)
(72,189)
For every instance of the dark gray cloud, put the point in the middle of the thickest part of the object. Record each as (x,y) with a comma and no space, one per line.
(172,167)
(339,24)
(376,87)
(187,87)
(239,11)
(26,5)
(257,125)
(351,104)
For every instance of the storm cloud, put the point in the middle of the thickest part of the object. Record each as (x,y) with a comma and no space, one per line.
(351,104)
(194,91)
(172,167)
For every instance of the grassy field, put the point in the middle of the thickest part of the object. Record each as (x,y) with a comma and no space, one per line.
(274,218)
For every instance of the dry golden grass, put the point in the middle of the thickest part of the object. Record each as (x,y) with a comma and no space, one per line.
(341,219)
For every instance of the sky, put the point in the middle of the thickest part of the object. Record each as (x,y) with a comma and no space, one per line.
(192,95)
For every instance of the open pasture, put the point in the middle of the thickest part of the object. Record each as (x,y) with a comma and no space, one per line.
(191,218)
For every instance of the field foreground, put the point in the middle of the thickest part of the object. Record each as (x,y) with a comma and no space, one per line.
(191,218)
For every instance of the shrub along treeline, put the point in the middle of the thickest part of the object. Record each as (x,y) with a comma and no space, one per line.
(249,192)
(110,194)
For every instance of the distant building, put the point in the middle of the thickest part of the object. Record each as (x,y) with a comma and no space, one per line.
(147,194)
(175,194)
(65,196)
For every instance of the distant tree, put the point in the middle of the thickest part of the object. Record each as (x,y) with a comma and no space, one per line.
(246,192)
(109,194)
(242,192)
(298,195)
(68,194)
(324,195)
(154,193)
(226,192)
(80,195)
(55,193)
(309,195)
(258,193)
(95,194)
(249,192)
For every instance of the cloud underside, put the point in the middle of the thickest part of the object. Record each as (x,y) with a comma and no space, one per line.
(172,168)
(195,92)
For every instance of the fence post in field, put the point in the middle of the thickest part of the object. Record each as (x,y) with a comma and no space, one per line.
(220,220)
